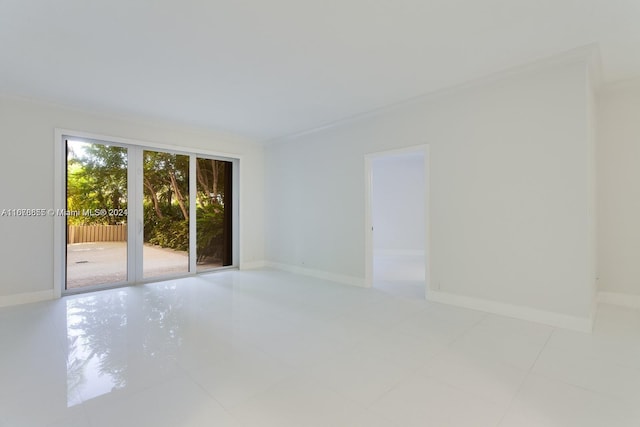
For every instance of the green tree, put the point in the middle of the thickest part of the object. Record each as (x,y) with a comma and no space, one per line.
(166,199)
(210,211)
(96,179)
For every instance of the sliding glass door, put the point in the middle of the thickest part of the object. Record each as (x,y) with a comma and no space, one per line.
(166,213)
(135,214)
(213,213)
(96,214)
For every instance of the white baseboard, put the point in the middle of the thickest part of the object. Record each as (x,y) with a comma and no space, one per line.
(582,324)
(319,274)
(25,298)
(252,265)
(397,252)
(621,299)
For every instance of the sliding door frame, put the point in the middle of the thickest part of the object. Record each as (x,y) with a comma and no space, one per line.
(134,198)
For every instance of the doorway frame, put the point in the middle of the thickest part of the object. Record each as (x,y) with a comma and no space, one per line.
(368,223)
(59,193)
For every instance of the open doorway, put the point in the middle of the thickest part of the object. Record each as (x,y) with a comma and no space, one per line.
(398,211)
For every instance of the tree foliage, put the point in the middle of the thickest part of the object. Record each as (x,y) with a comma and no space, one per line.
(97,179)
(210,208)
(166,199)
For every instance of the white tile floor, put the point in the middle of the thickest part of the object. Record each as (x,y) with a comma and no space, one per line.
(265,348)
(399,275)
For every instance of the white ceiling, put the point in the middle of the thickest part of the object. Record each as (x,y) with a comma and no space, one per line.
(270,68)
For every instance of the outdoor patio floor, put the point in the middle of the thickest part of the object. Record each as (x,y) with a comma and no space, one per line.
(90,264)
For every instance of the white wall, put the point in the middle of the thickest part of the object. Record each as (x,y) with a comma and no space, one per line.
(593,85)
(27,170)
(619,188)
(398,203)
(509,191)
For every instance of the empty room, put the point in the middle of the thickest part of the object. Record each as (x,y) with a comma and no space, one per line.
(320,214)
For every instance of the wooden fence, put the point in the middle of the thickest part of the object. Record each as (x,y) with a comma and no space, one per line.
(96,233)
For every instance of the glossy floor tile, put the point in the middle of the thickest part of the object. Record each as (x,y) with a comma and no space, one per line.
(266,348)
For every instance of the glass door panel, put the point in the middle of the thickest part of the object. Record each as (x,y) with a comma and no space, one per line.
(96,214)
(165,214)
(181,224)
(213,214)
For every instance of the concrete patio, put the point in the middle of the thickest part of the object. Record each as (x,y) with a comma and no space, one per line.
(98,263)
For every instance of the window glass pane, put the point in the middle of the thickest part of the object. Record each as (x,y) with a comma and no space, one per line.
(166,213)
(213,213)
(96,214)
